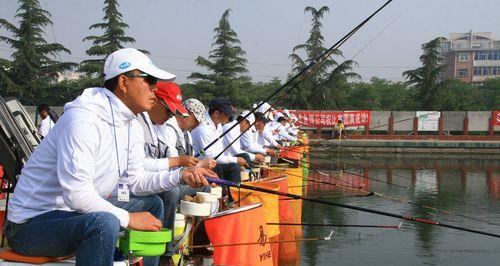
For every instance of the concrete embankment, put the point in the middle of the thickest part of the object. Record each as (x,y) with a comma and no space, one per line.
(411,146)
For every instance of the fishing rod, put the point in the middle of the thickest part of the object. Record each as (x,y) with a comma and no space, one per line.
(347,206)
(327,238)
(348,172)
(352,164)
(314,180)
(314,64)
(371,193)
(340,225)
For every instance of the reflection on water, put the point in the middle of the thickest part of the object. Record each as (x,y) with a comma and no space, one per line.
(463,192)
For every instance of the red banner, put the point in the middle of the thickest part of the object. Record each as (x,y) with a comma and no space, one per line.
(329,118)
(496,118)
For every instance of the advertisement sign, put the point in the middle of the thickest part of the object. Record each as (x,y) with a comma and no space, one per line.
(428,120)
(496,118)
(309,118)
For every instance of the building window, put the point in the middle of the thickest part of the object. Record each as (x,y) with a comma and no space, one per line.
(482,71)
(463,72)
(463,57)
(495,70)
(487,55)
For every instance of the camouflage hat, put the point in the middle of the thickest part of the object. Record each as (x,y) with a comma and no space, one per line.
(197,108)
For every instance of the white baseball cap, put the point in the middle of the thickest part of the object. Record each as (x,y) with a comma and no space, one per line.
(127,59)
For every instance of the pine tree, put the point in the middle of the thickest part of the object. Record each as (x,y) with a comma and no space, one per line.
(32,68)
(427,79)
(322,88)
(114,38)
(226,64)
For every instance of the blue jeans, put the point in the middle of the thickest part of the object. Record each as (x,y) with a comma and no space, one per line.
(91,236)
(152,204)
(171,200)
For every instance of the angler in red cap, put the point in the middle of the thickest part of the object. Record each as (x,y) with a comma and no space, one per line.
(162,155)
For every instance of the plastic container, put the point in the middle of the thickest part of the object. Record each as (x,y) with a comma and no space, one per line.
(195,209)
(144,243)
(217,191)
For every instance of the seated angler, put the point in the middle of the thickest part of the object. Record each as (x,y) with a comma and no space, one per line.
(228,167)
(250,140)
(232,140)
(60,206)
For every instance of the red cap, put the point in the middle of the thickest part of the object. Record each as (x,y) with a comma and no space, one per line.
(170,93)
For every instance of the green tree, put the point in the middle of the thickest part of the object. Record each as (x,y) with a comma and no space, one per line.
(326,86)
(226,64)
(112,39)
(491,94)
(32,68)
(427,80)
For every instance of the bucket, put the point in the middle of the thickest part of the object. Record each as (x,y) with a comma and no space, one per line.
(144,243)
(269,202)
(240,225)
(245,175)
(210,198)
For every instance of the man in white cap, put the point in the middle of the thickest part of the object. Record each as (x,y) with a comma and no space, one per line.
(59,206)
(233,141)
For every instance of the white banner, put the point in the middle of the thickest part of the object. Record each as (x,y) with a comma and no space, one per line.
(428,120)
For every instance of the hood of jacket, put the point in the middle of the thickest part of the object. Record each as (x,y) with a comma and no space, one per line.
(104,104)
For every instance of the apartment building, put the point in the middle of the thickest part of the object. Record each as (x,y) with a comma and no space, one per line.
(471,57)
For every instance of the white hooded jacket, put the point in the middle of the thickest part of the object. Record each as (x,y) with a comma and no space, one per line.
(75,168)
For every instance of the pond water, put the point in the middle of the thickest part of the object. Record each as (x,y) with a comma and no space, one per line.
(467,187)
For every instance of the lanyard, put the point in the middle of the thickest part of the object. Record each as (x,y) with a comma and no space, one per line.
(116,143)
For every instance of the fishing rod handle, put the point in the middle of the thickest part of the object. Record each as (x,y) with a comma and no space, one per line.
(221,182)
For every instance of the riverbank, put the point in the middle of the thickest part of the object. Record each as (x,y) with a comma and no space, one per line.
(411,146)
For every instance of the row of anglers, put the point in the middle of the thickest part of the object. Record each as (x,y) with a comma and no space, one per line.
(123,155)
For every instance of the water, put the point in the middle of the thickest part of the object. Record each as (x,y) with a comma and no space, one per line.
(467,186)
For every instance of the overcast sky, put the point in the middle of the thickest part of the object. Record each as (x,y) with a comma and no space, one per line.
(177,31)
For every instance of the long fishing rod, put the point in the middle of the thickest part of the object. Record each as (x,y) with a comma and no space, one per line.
(340,225)
(327,238)
(371,192)
(314,64)
(347,206)
(347,163)
(351,173)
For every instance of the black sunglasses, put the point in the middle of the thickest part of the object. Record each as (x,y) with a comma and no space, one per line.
(169,113)
(148,78)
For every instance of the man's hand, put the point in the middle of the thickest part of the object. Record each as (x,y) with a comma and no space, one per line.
(195,176)
(259,158)
(143,221)
(207,163)
(188,161)
(242,162)
(271,152)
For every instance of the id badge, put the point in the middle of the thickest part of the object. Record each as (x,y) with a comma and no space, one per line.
(123,192)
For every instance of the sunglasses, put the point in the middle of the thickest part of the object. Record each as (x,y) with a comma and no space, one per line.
(148,78)
(169,113)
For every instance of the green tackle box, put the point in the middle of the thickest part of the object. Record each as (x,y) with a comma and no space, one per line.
(145,243)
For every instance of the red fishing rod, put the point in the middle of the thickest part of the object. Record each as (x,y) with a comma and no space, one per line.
(347,206)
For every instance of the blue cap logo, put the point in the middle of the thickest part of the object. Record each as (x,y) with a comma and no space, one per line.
(124,65)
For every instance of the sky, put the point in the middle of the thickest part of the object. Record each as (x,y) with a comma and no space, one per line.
(175,32)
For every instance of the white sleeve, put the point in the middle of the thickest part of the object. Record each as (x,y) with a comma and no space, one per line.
(156,165)
(142,182)
(202,138)
(268,136)
(76,169)
(44,127)
(249,143)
